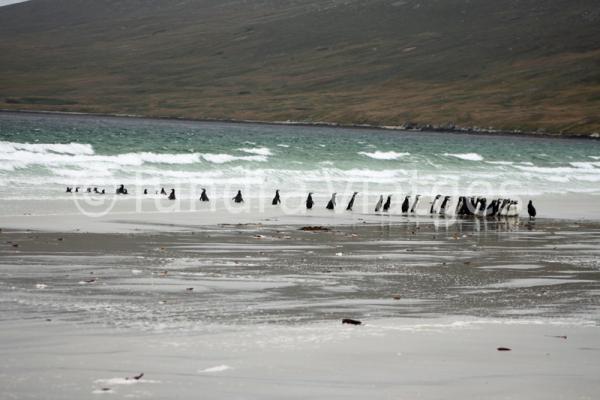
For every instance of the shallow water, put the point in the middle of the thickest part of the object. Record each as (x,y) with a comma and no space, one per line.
(282,275)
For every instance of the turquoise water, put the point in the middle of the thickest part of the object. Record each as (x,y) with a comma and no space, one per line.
(41,154)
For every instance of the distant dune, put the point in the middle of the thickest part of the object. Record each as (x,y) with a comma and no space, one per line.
(516,64)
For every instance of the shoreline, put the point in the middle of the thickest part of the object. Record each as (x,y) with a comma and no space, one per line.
(424,128)
(255,312)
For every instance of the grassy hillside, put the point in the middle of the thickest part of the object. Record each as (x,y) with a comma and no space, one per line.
(510,64)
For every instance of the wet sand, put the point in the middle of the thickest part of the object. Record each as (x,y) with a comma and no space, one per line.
(254,311)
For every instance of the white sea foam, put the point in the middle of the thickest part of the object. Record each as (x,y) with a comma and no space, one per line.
(500,162)
(585,165)
(225,158)
(465,156)
(23,158)
(218,368)
(261,151)
(70,148)
(384,155)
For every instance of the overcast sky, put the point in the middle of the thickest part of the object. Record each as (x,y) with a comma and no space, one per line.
(7,2)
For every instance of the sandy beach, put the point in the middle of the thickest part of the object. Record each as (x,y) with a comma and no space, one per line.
(254,311)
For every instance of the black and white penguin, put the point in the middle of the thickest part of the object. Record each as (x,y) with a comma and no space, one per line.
(69,190)
(379,204)
(145,191)
(503,207)
(413,209)
(76,190)
(172,194)
(276,199)
(459,205)
(89,190)
(238,197)
(388,203)
(103,191)
(163,191)
(331,204)
(309,201)
(96,190)
(121,190)
(433,203)
(351,202)
(531,210)
(203,195)
(444,205)
(482,207)
(405,204)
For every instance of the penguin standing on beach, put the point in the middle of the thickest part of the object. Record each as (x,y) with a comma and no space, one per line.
(276,199)
(238,197)
(388,203)
(531,210)
(309,201)
(145,191)
(69,190)
(444,205)
(163,191)
(172,194)
(432,209)
(405,204)
(351,202)
(331,204)
(379,204)
(203,195)
(413,209)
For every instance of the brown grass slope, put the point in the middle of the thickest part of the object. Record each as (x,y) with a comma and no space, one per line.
(510,64)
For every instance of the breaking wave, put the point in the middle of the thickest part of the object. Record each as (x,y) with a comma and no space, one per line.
(384,155)
(465,156)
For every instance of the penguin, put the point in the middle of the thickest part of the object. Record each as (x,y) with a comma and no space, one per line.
(76,190)
(309,201)
(163,191)
(276,199)
(331,204)
(89,190)
(481,210)
(496,208)
(513,210)
(121,190)
(69,190)
(490,208)
(379,204)
(531,210)
(103,191)
(203,196)
(405,204)
(351,202)
(388,203)
(145,191)
(433,203)
(172,194)
(444,205)
(413,209)
(459,205)
(238,197)
(96,190)
(503,206)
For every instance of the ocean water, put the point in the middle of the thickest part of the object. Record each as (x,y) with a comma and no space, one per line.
(41,154)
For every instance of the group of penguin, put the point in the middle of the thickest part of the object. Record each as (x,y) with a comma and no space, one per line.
(465,207)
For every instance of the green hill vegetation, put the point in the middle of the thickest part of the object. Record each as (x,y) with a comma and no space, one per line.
(511,64)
